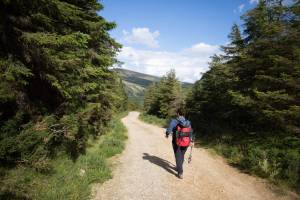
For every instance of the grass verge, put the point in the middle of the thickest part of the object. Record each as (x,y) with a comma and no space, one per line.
(151,119)
(68,179)
(276,158)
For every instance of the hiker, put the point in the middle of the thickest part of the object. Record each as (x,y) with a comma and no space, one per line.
(181,131)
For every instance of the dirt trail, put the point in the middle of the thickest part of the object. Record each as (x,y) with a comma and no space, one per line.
(145,170)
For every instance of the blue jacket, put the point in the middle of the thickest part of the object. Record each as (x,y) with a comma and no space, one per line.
(172,126)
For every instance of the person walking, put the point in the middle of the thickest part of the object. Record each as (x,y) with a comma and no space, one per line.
(181,131)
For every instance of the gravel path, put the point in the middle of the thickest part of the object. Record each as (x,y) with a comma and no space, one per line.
(145,170)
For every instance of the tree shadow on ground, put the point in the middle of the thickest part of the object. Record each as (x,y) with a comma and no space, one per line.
(169,167)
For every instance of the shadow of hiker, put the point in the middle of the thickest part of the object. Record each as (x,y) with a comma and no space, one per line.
(169,167)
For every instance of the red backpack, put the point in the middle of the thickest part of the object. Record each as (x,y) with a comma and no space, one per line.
(183,135)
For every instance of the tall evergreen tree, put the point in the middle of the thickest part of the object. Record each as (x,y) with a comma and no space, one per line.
(151,105)
(267,76)
(164,97)
(170,96)
(236,46)
(54,61)
(248,101)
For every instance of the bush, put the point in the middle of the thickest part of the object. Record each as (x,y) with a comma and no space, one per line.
(68,179)
(275,158)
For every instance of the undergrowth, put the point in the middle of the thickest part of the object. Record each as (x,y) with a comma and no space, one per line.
(152,119)
(274,158)
(68,178)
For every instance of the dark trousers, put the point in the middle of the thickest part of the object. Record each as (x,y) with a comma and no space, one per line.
(179,156)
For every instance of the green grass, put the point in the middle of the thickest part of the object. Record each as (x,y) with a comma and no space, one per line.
(68,179)
(276,158)
(151,119)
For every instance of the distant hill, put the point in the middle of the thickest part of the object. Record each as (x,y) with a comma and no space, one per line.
(136,83)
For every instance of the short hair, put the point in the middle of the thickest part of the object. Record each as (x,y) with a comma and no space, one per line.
(180,112)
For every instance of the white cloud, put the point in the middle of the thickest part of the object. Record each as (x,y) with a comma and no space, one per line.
(202,49)
(253,1)
(142,36)
(241,7)
(188,63)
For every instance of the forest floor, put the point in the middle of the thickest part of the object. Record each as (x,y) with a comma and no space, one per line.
(146,170)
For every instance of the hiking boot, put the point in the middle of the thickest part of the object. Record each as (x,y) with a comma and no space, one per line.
(180,175)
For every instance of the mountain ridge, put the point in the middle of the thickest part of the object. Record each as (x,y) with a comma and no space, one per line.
(136,83)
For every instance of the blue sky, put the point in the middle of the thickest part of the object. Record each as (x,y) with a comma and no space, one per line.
(158,35)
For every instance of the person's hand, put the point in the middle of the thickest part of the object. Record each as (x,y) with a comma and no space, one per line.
(191,143)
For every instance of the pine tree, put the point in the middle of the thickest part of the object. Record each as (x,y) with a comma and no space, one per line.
(151,105)
(248,101)
(268,75)
(54,69)
(170,96)
(164,97)
(236,46)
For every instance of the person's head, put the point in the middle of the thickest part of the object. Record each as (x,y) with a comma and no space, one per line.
(180,112)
